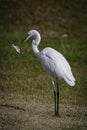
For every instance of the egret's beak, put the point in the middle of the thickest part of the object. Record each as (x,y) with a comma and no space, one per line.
(26,38)
(17,47)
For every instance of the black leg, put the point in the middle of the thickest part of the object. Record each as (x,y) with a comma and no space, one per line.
(55,101)
(56,96)
(57,111)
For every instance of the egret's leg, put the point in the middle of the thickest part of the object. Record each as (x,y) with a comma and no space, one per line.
(53,84)
(55,101)
(57,111)
(55,95)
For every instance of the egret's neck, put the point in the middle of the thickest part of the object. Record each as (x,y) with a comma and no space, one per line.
(35,48)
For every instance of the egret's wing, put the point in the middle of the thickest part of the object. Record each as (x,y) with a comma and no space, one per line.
(57,60)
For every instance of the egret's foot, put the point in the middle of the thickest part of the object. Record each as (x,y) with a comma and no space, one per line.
(57,115)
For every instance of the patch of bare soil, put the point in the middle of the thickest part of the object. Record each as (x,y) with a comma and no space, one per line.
(20,114)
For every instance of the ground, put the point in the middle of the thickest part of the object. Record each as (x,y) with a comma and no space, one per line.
(17,113)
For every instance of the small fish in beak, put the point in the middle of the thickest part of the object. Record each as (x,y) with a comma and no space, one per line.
(17,48)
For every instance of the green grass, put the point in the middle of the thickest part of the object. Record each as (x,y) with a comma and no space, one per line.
(24,73)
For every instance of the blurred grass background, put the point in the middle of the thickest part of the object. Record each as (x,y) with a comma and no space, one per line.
(53,19)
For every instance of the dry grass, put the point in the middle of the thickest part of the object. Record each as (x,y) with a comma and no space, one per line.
(26,96)
(17,112)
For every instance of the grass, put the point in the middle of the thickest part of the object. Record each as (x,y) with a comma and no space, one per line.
(24,69)
(24,84)
(76,128)
(26,95)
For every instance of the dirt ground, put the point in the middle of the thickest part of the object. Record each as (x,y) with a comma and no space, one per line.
(18,113)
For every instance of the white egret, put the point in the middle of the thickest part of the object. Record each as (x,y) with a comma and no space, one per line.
(54,63)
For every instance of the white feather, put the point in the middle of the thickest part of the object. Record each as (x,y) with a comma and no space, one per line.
(52,61)
(55,63)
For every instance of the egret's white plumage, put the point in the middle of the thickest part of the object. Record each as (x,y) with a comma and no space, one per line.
(54,63)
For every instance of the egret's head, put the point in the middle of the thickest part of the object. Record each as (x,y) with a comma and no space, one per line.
(33,33)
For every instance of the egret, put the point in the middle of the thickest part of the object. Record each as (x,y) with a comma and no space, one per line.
(54,63)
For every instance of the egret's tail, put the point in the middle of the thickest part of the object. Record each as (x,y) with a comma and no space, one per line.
(70,82)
